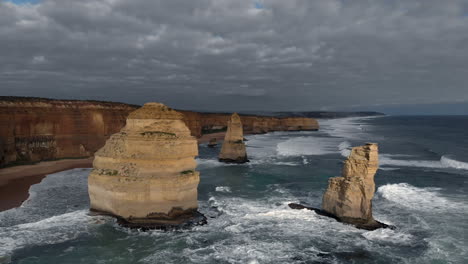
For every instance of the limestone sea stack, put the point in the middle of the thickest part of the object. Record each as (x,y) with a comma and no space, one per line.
(233,149)
(145,174)
(349,197)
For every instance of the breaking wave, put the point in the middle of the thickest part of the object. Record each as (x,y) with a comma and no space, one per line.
(300,146)
(345,148)
(443,163)
(422,199)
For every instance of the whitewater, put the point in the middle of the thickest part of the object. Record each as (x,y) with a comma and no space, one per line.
(421,189)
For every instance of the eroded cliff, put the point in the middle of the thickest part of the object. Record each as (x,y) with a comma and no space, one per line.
(41,129)
(349,197)
(233,149)
(37,129)
(145,174)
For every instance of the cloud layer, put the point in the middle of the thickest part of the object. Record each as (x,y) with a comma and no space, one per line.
(232,55)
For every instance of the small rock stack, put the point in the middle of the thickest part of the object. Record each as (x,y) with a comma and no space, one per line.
(233,149)
(349,197)
(145,174)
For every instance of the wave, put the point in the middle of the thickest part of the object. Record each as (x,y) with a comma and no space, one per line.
(212,163)
(345,148)
(443,163)
(225,189)
(451,163)
(415,198)
(300,146)
(387,235)
(349,127)
(52,230)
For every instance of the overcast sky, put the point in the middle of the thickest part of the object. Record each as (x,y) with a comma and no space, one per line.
(238,55)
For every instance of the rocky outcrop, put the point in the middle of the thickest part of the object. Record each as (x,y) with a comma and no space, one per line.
(349,197)
(145,174)
(35,129)
(213,143)
(233,149)
(38,129)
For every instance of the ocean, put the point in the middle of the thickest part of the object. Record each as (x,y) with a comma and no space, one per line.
(421,189)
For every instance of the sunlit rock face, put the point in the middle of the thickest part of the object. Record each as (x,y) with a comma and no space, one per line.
(350,197)
(145,174)
(233,149)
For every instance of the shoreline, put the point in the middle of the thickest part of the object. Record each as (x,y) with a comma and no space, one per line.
(16,181)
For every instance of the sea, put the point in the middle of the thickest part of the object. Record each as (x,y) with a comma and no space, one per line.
(421,188)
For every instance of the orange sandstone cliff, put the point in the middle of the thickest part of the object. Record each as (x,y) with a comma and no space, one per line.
(37,129)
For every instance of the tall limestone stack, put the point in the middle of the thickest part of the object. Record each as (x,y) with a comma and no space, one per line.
(145,174)
(349,198)
(233,149)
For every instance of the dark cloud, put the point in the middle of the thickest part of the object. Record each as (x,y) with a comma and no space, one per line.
(231,55)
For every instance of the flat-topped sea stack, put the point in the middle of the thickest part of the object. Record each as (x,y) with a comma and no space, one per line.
(145,174)
(233,149)
(349,197)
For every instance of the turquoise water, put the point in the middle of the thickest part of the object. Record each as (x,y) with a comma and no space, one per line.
(421,188)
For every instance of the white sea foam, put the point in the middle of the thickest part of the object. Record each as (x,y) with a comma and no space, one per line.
(225,189)
(345,148)
(387,235)
(423,199)
(211,163)
(299,146)
(451,163)
(52,230)
(444,162)
(350,127)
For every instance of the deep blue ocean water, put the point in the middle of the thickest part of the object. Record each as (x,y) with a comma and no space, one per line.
(421,188)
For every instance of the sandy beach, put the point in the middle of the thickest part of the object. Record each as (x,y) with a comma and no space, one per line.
(15,181)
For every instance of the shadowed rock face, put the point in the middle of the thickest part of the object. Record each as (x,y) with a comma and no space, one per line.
(349,197)
(145,174)
(233,149)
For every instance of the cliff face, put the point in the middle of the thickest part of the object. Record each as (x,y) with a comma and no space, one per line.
(203,123)
(146,174)
(35,129)
(350,197)
(233,149)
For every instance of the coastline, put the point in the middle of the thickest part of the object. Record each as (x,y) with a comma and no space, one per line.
(15,181)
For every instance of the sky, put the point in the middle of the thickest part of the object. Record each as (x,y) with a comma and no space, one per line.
(240,55)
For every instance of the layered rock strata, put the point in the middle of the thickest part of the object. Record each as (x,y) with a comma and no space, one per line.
(233,149)
(349,197)
(38,129)
(145,174)
(35,129)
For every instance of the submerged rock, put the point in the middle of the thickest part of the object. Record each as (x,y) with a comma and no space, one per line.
(349,197)
(233,149)
(145,174)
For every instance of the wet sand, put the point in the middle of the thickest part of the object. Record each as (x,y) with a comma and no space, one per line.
(15,181)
